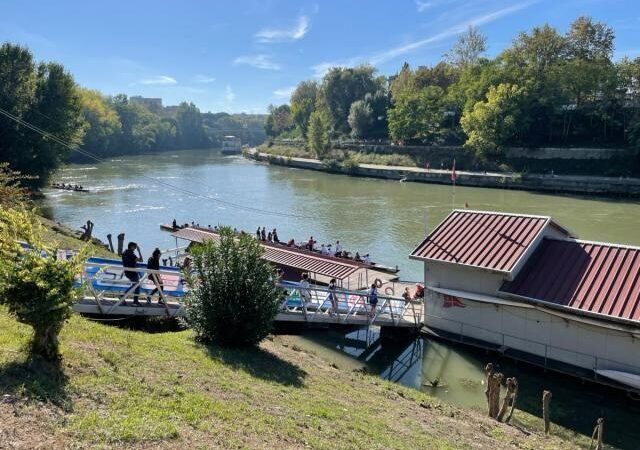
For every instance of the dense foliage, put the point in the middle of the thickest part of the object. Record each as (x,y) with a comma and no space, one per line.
(234,301)
(37,288)
(546,89)
(45,95)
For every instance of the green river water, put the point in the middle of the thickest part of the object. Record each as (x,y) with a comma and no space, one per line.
(384,218)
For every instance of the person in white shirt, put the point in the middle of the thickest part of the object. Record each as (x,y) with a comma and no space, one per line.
(323,250)
(338,249)
(305,294)
(367,259)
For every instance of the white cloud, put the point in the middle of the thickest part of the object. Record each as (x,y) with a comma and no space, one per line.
(423,6)
(160,79)
(284,93)
(392,53)
(229,95)
(258,61)
(203,79)
(298,31)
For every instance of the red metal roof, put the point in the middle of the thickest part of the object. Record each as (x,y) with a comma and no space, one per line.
(488,240)
(594,277)
(284,256)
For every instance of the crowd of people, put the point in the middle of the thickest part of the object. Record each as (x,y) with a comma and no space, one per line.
(68,187)
(337,251)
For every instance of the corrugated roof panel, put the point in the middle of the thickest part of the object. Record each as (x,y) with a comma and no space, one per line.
(284,256)
(488,240)
(593,277)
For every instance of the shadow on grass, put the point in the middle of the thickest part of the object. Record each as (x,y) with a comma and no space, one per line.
(259,363)
(35,379)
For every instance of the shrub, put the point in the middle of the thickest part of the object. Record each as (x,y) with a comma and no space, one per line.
(349,165)
(234,300)
(332,165)
(37,288)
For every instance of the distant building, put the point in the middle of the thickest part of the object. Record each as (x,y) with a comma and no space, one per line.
(231,145)
(169,111)
(152,104)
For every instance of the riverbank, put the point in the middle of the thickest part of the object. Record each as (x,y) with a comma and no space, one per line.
(571,184)
(124,388)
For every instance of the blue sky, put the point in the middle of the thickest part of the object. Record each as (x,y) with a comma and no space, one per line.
(244,55)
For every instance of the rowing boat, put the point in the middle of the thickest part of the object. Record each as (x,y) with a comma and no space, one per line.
(53,186)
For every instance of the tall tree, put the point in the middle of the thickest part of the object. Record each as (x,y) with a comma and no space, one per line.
(417,116)
(303,103)
(468,48)
(342,86)
(45,96)
(189,129)
(102,124)
(279,120)
(318,133)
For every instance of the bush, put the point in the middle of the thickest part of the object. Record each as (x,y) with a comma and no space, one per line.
(332,165)
(349,165)
(37,288)
(234,300)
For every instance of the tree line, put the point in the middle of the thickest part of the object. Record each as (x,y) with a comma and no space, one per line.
(46,95)
(546,89)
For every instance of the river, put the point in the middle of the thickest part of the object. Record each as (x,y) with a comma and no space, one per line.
(384,218)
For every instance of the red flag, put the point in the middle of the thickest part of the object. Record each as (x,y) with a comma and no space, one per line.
(453,172)
(452,302)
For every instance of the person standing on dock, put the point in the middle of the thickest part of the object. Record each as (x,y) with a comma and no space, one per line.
(338,252)
(333,297)
(274,235)
(373,299)
(367,259)
(269,237)
(153,263)
(129,261)
(258,235)
(263,234)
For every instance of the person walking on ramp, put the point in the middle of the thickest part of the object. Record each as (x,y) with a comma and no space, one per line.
(129,261)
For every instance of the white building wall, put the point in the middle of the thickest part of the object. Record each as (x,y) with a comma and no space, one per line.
(464,278)
(537,332)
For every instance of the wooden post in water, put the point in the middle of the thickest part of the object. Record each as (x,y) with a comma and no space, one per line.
(546,403)
(513,399)
(110,242)
(600,428)
(120,243)
(488,370)
(509,399)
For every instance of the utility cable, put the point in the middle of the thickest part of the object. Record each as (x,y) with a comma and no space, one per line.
(90,155)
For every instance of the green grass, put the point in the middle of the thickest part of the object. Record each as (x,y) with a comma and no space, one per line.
(119,387)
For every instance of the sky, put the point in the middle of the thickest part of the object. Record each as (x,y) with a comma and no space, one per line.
(241,56)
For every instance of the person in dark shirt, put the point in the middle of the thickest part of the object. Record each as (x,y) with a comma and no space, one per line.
(129,261)
(153,263)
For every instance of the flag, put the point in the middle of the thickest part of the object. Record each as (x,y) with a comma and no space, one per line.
(452,302)
(453,172)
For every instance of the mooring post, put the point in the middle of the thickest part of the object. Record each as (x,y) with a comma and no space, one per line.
(546,403)
(600,426)
(120,243)
(110,242)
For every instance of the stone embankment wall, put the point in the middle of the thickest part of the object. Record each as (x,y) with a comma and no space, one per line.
(588,185)
(545,160)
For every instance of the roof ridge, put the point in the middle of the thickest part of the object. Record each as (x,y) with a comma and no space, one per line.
(600,243)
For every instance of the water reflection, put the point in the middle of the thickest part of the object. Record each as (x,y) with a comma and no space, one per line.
(455,374)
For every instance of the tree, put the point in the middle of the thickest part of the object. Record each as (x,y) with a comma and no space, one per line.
(360,118)
(468,48)
(45,96)
(318,133)
(495,122)
(341,87)
(189,128)
(303,103)
(279,120)
(417,115)
(102,124)
(37,288)
(589,40)
(234,301)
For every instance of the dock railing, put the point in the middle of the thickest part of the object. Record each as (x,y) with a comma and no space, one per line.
(107,288)
(320,304)
(548,355)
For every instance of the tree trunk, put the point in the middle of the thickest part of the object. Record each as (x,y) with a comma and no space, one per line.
(45,343)
(546,403)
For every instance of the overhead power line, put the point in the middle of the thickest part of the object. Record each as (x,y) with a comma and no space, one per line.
(96,158)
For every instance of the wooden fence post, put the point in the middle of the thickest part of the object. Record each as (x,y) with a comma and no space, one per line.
(546,403)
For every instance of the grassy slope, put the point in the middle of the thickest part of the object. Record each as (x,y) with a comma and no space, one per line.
(119,387)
